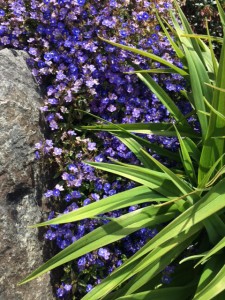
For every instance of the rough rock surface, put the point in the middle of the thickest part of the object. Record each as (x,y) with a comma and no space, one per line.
(20,183)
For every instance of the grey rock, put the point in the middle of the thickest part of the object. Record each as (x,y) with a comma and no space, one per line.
(21,250)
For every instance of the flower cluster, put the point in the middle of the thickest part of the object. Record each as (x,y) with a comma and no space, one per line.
(78,70)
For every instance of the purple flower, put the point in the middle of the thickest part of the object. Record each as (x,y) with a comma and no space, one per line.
(37,155)
(68,287)
(38,145)
(57,151)
(99,158)
(111,108)
(95,196)
(76,194)
(60,292)
(48,194)
(166,279)
(89,288)
(71,132)
(81,263)
(103,252)
(73,168)
(50,235)
(68,198)
(53,125)
(91,146)
(86,202)
(32,51)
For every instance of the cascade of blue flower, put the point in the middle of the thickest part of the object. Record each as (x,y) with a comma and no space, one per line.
(78,70)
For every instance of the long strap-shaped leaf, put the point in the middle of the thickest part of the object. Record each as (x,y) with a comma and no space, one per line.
(149,55)
(213,251)
(179,183)
(207,206)
(135,147)
(131,197)
(156,181)
(164,98)
(145,143)
(187,28)
(162,129)
(156,262)
(213,149)
(172,293)
(198,76)
(104,235)
(121,275)
(187,162)
(215,286)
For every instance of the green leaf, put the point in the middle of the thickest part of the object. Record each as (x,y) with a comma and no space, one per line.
(202,36)
(187,28)
(216,177)
(197,69)
(125,271)
(158,71)
(213,57)
(187,162)
(135,147)
(215,286)
(147,54)
(211,203)
(155,263)
(213,149)
(198,76)
(208,176)
(172,293)
(216,112)
(164,98)
(192,257)
(155,180)
(221,14)
(104,235)
(156,148)
(211,268)
(162,129)
(128,198)
(212,252)
(191,147)
(176,48)
(179,183)
(215,87)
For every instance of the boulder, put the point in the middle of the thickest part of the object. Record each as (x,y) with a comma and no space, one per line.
(21,248)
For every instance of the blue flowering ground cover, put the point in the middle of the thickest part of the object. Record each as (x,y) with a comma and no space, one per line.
(79,71)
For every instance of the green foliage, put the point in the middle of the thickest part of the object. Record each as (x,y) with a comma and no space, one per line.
(189,200)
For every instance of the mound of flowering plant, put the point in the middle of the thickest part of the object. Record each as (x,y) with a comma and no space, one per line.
(189,201)
(77,70)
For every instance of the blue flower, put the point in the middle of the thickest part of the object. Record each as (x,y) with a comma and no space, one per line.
(81,2)
(2,13)
(81,263)
(86,202)
(89,288)
(48,194)
(166,279)
(56,192)
(76,194)
(60,292)
(2,29)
